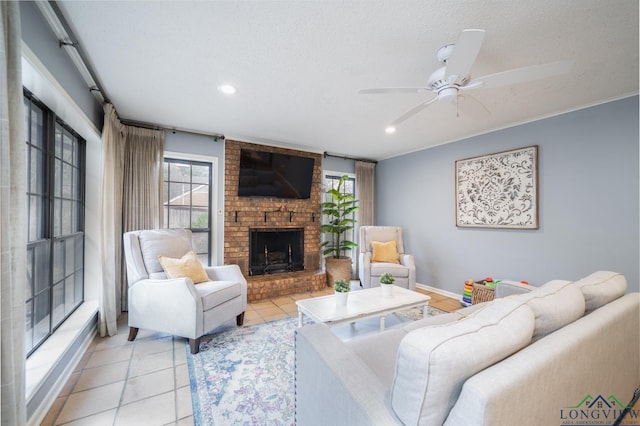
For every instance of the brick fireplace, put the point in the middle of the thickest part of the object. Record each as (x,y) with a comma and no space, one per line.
(288,266)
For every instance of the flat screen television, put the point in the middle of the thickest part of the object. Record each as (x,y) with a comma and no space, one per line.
(271,174)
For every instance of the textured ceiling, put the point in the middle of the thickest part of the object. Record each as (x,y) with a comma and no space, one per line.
(298,65)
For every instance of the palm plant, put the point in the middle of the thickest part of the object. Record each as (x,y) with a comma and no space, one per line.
(339,207)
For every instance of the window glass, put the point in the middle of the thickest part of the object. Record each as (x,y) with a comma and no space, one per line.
(187,201)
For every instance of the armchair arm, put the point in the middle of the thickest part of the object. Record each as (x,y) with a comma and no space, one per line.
(333,385)
(171,306)
(225,273)
(364,269)
(229,273)
(408,261)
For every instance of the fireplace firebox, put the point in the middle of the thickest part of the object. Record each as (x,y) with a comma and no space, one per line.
(276,250)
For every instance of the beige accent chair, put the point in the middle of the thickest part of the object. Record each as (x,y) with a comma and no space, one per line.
(177,306)
(369,272)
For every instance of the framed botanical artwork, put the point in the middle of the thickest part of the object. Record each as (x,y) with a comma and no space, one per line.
(498,190)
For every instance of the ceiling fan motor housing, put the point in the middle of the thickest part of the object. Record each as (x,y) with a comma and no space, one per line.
(439,84)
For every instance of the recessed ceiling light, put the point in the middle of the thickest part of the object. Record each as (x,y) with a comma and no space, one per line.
(227,89)
(390,130)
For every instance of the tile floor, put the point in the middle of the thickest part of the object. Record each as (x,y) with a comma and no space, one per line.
(146,382)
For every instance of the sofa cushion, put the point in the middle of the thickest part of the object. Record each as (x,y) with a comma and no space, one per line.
(188,266)
(162,242)
(384,252)
(555,304)
(601,288)
(434,362)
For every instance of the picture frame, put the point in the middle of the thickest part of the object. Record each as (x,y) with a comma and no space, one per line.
(498,190)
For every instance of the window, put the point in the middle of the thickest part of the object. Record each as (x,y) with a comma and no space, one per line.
(187,201)
(331,180)
(55,222)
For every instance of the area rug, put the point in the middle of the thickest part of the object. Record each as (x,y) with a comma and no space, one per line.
(245,376)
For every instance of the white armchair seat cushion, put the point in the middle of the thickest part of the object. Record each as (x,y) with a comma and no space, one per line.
(215,293)
(397,270)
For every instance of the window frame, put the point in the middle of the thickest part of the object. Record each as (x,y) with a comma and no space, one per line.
(213,195)
(48,238)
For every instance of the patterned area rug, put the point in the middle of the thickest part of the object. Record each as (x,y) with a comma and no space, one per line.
(245,376)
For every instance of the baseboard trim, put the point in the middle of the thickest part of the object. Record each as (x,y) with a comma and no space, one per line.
(439,291)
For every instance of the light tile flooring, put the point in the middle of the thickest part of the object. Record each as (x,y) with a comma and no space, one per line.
(146,382)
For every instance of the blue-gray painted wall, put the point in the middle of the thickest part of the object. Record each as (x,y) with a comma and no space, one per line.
(588,203)
(43,42)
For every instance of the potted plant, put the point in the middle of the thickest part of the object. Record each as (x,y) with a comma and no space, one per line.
(339,207)
(386,283)
(341,288)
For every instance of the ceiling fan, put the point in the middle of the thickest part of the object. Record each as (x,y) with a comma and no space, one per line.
(451,82)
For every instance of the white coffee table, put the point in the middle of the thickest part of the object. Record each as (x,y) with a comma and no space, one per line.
(361,304)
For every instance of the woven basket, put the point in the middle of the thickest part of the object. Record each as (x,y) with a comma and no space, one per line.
(337,269)
(481,293)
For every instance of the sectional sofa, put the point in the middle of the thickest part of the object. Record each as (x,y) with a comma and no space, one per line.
(535,356)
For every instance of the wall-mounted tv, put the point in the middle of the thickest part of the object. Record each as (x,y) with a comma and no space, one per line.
(271,174)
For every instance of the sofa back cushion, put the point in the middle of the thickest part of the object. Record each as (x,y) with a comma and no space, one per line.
(434,362)
(555,304)
(601,288)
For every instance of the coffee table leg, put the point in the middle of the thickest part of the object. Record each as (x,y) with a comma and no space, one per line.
(299,318)
(382,323)
(424,310)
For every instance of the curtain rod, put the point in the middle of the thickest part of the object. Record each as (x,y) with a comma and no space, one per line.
(216,136)
(346,157)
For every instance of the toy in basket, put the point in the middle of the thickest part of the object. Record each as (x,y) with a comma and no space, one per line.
(483,290)
(480,291)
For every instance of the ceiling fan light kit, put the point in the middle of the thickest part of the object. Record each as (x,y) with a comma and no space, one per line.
(455,76)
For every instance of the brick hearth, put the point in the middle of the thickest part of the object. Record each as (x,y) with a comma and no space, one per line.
(245,213)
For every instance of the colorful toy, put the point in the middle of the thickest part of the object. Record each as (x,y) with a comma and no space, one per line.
(466,294)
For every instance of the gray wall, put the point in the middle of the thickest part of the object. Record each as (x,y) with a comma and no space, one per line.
(43,42)
(341,165)
(588,201)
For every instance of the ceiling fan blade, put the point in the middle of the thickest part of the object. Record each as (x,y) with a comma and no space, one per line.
(521,75)
(464,53)
(471,107)
(395,90)
(413,111)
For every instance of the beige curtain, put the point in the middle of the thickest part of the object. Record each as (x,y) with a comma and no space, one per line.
(13,226)
(365,189)
(142,189)
(113,150)
(131,200)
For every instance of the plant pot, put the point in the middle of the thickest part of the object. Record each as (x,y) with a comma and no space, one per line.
(341,298)
(387,290)
(338,268)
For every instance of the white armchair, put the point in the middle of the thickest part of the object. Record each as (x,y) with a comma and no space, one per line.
(177,306)
(369,271)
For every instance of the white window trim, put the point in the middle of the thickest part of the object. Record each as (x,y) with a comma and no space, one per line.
(214,194)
